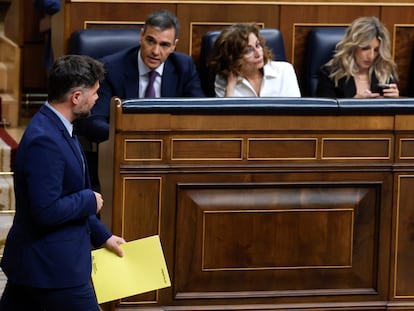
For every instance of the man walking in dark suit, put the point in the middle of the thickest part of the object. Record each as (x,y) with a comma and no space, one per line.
(127,74)
(47,256)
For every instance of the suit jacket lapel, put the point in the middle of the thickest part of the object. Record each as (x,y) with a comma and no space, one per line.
(131,75)
(82,162)
(80,156)
(169,76)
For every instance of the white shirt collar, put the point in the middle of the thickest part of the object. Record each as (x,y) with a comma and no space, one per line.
(270,71)
(66,123)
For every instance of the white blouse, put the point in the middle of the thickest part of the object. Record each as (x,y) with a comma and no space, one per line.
(279,80)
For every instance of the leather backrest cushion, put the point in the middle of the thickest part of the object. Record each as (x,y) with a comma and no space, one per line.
(320,47)
(101,42)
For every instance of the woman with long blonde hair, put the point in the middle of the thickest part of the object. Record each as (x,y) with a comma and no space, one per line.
(362,66)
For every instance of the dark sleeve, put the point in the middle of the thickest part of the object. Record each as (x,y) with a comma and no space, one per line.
(326,86)
(96,127)
(99,233)
(192,87)
(393,79)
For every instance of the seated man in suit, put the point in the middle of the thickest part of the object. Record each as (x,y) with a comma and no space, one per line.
(127,76)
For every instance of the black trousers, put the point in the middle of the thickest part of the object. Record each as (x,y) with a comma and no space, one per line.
(24,298)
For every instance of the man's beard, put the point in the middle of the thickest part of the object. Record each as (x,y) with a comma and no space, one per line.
(82,114)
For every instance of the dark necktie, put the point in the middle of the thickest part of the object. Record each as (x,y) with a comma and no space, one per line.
(150,92)
(78,147)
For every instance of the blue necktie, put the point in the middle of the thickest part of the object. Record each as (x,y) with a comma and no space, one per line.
(150,92)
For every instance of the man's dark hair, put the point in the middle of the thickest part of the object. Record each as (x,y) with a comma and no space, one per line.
(73,71)
(163,20)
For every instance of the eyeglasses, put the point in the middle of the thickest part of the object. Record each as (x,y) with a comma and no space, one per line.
(250,50)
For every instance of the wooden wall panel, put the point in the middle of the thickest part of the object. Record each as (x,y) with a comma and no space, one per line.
(141,201)
(400,23)
(282,148)
(280,232)
(403,286)
(357,148)
(199,149)
(403,47)
(121,13)
(143,149)
(406,148)
(302,232)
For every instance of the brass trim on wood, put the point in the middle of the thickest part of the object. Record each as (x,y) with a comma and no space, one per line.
(397,223)
(387,157)
(129,140)
(110,22)
(239,140)
(400,149)
(124,179)
(314,157)
(263,2)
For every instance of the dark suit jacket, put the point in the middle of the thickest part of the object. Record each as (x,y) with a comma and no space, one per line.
(179,79)
(49,243)
(345,89)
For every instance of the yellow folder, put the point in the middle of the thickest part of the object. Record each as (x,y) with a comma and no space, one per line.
(142,269)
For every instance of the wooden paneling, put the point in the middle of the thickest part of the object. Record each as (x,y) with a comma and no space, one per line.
(106,14)
(33,52)
(251,236)
(404,256)
(400,24)
(357,148)
(142,149)
(141,201)
(403,55)
(282,148)
(406,148)
(206,149)
(291,212)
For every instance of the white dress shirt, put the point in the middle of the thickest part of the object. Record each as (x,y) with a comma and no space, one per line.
(144,79)
(279,80)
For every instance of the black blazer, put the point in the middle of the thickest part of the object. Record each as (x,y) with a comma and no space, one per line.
(345,89)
